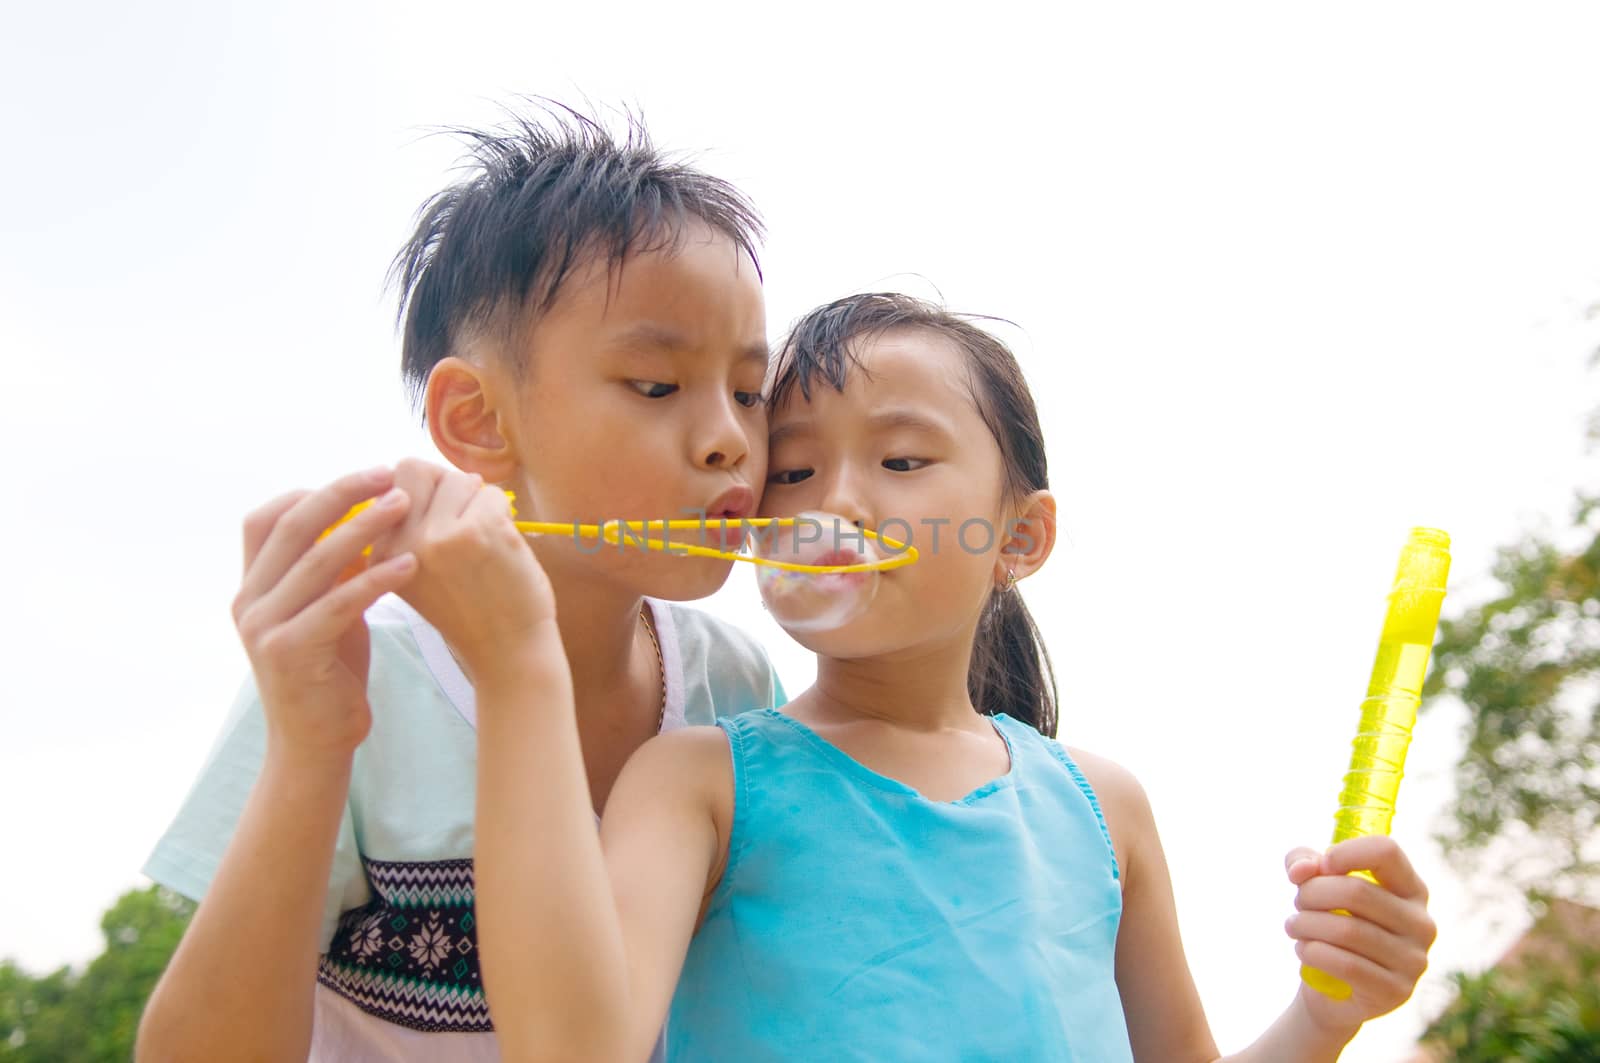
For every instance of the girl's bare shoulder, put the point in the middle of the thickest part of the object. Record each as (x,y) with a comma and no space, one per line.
(689,768)
(685,759)
(1123,802)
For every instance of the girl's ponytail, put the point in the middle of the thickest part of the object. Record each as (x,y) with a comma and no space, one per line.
(1011,670)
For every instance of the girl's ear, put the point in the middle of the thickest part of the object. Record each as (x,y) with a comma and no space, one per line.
(1027,542)
(463,409)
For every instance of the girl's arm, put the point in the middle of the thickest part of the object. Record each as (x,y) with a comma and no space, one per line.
(584,932)
(578,960)
(1166,1021)
(1380,948)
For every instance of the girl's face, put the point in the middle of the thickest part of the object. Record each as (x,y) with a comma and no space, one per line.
(904,452)
(642,400)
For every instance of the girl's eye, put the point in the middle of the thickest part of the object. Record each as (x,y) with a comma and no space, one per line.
(904,464)
(651,389)
(789,476)
(747,399)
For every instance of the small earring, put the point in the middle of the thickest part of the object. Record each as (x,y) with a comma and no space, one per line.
(1011,578)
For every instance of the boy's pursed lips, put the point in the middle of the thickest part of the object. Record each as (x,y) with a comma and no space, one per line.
(735,503)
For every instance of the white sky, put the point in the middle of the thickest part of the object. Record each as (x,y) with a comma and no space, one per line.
(1288,282)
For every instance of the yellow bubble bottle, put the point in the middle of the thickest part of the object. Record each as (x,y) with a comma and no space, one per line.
(1389,711)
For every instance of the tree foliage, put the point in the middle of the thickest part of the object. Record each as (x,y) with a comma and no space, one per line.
(1547,1013)
(1526,664)
(93,1015)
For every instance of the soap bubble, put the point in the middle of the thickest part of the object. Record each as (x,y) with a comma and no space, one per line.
(815,601)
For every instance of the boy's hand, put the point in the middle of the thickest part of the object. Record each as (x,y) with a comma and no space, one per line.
(477,580)
(1380,949)
(300,604)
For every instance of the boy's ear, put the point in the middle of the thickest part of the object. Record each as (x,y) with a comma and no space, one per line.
(1027,542)
(463,407)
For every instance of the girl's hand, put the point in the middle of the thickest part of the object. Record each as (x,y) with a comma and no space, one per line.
(1380,949)
(477,580)
(299,610)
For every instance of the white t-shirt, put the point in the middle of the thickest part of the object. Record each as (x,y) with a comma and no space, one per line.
(398,979)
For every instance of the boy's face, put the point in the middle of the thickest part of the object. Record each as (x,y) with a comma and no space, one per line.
(641,399)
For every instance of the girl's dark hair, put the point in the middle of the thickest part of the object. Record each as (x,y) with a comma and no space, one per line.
(1010,670)
(542,194)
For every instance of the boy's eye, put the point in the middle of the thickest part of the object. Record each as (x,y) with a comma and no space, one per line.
(652,389)
(788,476)
(904,464)
(747,399)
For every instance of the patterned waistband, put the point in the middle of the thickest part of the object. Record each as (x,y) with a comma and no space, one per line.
(410,956)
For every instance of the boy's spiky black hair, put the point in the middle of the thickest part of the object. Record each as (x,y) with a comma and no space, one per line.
(545,191)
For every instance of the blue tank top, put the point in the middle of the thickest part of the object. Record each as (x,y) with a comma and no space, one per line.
(857,920)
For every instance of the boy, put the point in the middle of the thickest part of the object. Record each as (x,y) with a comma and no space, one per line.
(584,324)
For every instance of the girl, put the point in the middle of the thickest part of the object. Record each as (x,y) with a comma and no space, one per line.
(902,865)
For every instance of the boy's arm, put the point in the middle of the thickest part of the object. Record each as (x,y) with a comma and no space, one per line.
(241,983)
(189,854)
(584,932)
(1388,927)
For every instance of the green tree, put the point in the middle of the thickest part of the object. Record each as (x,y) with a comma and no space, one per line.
(93,1015)
(1526,664)
(1545,1012)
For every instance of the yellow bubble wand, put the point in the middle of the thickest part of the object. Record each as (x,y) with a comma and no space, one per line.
(611,531)
(1389,711)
